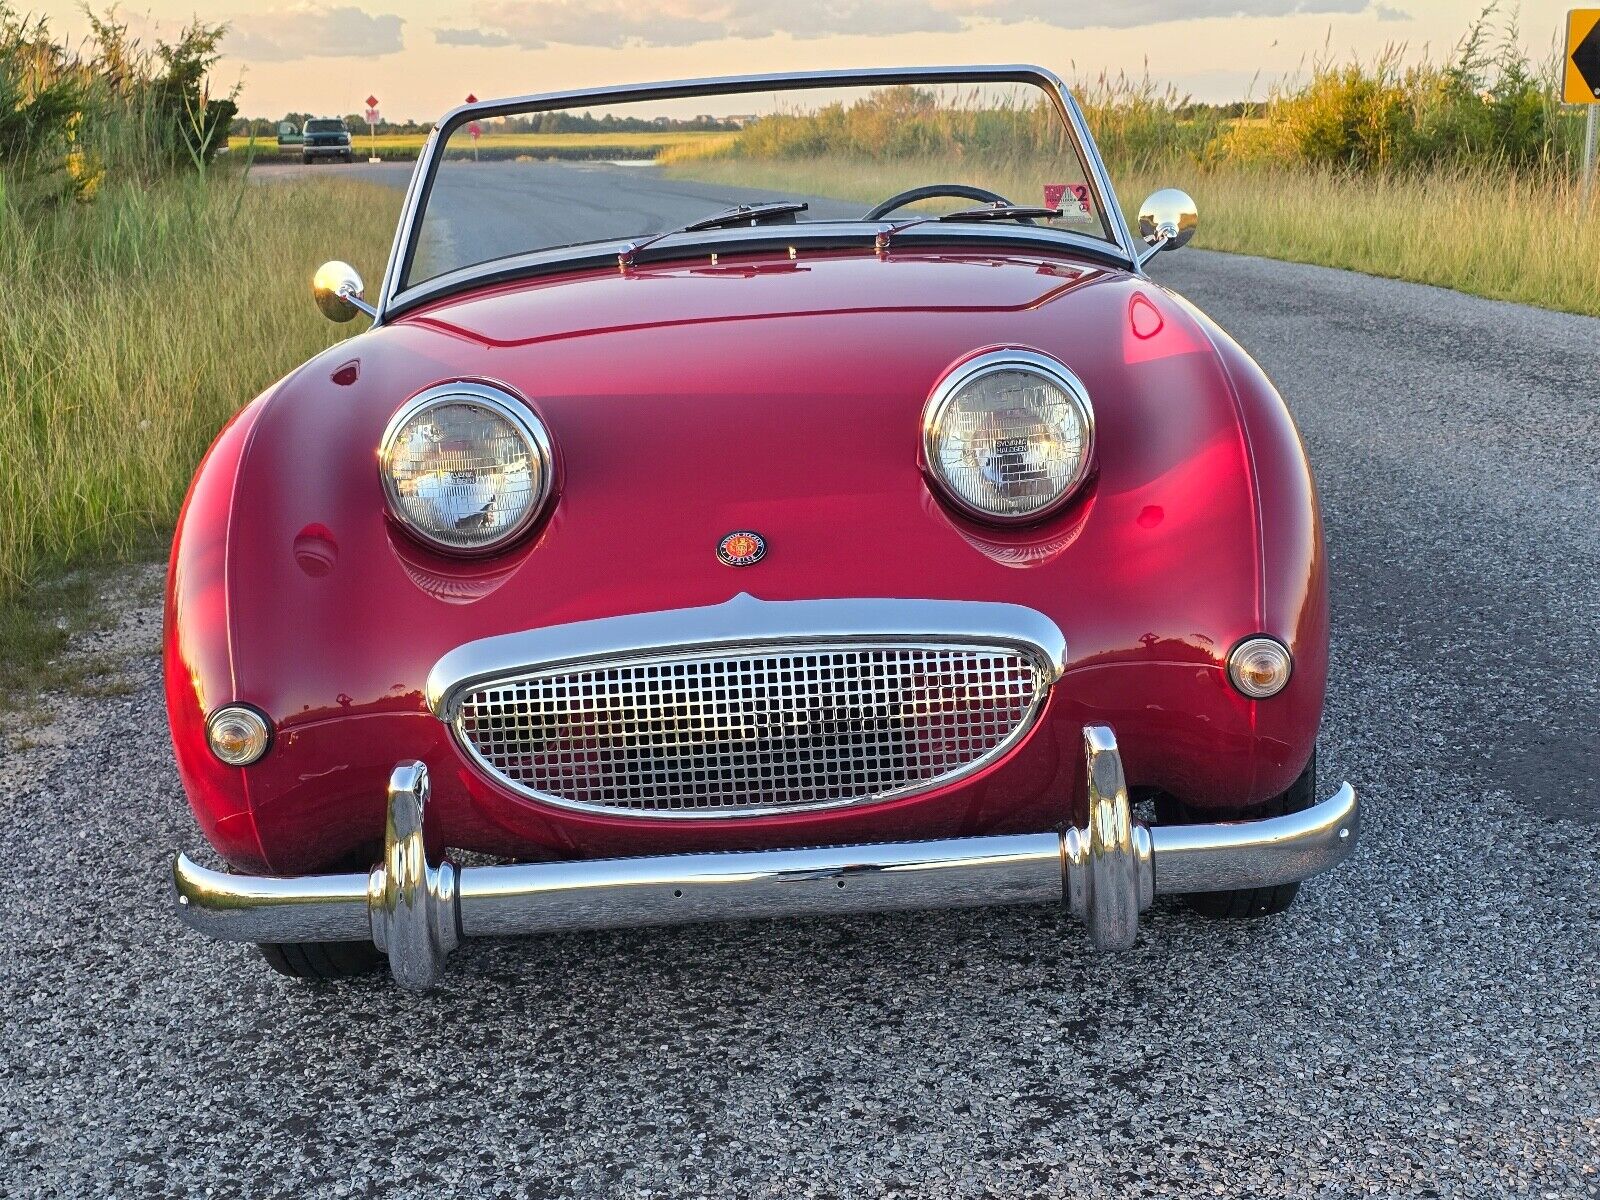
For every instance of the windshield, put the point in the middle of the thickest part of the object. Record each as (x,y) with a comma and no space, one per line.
(540,180)
(324,126)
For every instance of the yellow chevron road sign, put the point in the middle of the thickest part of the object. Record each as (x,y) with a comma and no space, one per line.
(1581,81)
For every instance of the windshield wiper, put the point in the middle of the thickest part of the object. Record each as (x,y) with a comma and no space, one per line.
(990,212)
(1002,212)
(740,214)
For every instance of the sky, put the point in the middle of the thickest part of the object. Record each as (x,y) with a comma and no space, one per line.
(422,57)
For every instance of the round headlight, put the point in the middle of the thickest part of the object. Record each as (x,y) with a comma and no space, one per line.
(1008,435)
(1260,667)
(238,734)
(466,467)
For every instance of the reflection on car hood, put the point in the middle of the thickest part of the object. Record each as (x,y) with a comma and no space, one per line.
(694,291)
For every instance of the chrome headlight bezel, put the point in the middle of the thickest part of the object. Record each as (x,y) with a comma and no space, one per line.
(504,403)
(994,362)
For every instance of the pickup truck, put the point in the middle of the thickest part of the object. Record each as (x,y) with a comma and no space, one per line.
(326,137)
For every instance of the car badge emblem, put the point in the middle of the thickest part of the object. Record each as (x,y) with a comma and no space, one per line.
(742,548)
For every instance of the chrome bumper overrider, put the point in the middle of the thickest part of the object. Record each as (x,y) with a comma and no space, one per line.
(1106,874)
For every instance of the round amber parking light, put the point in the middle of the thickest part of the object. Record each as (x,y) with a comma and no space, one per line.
(1260,667)
(238,734)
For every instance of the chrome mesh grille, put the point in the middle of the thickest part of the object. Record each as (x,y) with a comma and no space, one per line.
(765,729)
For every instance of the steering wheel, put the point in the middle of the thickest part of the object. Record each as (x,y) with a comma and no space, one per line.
(959,190)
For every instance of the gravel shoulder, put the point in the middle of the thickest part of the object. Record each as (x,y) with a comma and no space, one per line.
(1422,1023)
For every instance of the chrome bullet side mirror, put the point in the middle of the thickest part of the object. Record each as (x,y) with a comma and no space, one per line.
(1167,220)
(338,289)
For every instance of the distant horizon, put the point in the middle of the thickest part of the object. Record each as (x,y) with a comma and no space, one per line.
(691,108)
(422,57)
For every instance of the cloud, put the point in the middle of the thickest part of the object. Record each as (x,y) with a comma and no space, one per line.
(312,31)
(472,37)
(1384,13)
(532,24)
(1126,14)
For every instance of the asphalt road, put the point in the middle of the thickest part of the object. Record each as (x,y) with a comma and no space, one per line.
(1423,1022)
(479,211)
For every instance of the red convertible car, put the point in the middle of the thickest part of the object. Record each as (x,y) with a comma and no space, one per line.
(689,540)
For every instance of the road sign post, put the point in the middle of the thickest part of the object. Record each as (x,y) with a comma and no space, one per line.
(373,117)
(1581,81)
(474,130)
(1591,134)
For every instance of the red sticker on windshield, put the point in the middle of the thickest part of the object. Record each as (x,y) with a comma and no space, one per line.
(1072,198)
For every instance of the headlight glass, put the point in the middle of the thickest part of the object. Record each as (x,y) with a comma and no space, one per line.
(466,467)
(1008,435)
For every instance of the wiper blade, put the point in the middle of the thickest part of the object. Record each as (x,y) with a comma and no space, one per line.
(741,214)
(1002,212)
(1025,213)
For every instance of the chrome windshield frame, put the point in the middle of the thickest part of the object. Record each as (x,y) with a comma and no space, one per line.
(1121,242)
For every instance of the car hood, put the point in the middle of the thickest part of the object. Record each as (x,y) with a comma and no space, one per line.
(707,290)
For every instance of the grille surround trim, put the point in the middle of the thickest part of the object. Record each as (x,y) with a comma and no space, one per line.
(745,625)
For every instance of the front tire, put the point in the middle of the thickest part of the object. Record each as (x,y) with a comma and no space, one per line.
(1249,903)
(321,961)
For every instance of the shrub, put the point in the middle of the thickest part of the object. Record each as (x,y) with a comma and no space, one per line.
(41,105)
(1486,106)
(69,118)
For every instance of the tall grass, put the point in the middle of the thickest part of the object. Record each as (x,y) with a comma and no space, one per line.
(133,327)
(1529,237)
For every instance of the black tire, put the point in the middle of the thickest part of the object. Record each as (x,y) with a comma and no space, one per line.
(322,960)
(1249,903)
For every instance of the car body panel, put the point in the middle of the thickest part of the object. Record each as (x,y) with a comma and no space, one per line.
(778,394)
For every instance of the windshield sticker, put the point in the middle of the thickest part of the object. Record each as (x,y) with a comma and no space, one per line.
(1071,198)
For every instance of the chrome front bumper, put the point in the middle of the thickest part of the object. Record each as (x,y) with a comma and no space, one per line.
(1106,874)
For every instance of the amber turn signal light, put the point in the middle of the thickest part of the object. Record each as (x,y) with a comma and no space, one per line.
(238,734)
(1260,667)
